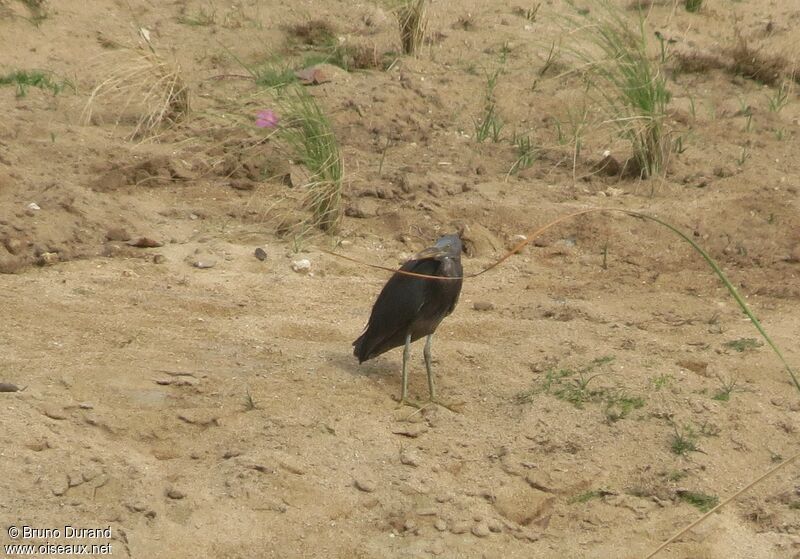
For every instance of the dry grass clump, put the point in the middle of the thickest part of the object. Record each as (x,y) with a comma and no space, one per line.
(741,59)
(317,33)
(756,65)
(412,16)
(141,87)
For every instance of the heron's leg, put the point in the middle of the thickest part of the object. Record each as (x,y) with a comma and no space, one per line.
(406,351)
(427,354)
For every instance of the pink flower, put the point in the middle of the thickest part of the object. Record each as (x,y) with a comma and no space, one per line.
(267,119)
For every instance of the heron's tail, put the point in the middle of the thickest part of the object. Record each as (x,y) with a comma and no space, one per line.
(359,348)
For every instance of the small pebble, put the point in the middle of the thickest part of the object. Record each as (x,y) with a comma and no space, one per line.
(173,493)
(440,525)
(482,306)
(301,266)
(410,526)
(145,242)
(481,529)
(86,406)
(411,430)
(460,527)
(117,234)
(47,258)
(33,206)
(159,259)
(495,525)
(364,484)
(204,264)
(261,254)
(409,458)
(55,413)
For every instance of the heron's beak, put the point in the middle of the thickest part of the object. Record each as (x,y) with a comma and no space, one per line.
(432,252)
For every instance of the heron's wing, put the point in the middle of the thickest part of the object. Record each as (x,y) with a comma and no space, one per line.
(395,310)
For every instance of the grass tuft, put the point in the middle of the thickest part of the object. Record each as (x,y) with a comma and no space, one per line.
(489,124)
(683,441)
(702,501)
(309,135)
(743,344)
(693,6)
(24,79)
(627,82)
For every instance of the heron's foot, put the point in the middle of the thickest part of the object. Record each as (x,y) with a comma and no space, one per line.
(455,407)
(402,402)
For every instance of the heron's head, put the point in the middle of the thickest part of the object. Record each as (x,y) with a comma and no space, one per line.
(448,246)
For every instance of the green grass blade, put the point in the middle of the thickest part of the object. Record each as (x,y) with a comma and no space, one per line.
(727,284)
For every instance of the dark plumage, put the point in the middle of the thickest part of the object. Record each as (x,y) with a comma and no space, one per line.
(409,308)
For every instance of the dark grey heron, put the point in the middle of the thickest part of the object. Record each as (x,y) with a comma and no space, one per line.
(409,307)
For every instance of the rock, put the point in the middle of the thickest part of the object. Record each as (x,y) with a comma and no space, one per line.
(519,502)
(47,258)
(440,525)
(117,234)
(290,464)
(60,486)
(8,387)
(409,458)
(478,240)
(145,242)
(365,484)
(55,413)
(86,406)
(242,184)
(410,526)
(261,254)
(427,511)
(159,259)
(14,246)
(204,264)
(33,206)
(494,525)
(526,534)
(482,306)
(174,493)
(412,430)
(481,529)
(302,266)
(460,527)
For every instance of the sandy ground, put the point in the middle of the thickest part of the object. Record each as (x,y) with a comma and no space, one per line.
(219,412)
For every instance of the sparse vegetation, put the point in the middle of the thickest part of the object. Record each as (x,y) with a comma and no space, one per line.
(526,153)
(273,76)
(573,386)
(683,441)
(743,344)
(723,394)
(24,79)
(780,98)
(587,496)
(693,5)
(489,125)
(702,501)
